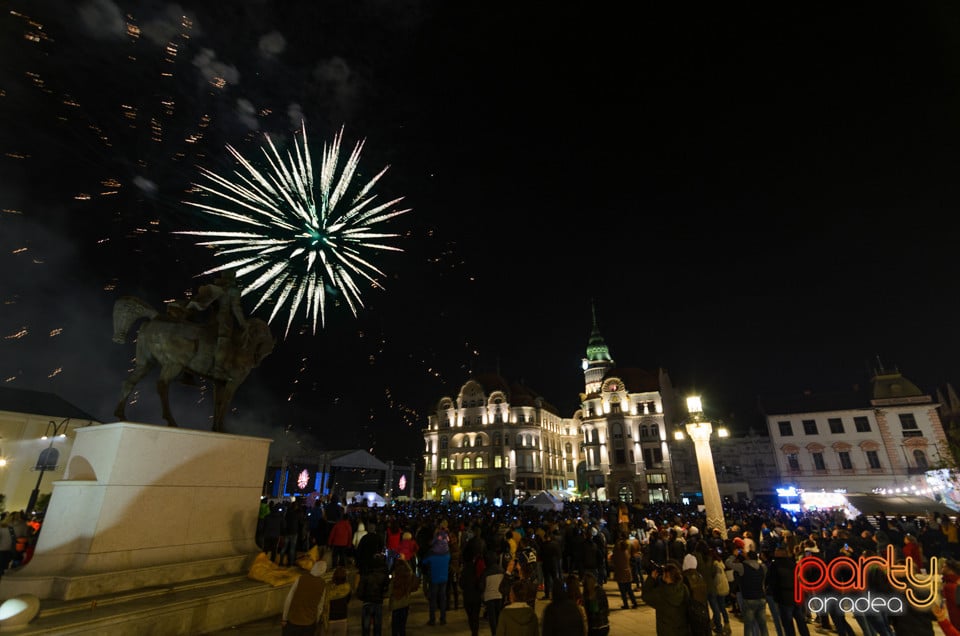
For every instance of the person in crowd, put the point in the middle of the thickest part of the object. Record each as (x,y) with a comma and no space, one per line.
(456,568)
(492,598)
(8,544)
(781,579)
(274,527)
(623,572)
(551,561)
(304,604)
(408,549)
(371,590)
(951,579)
(368,548)
(436,566)
(595,605)
(392,538)
(403,585)
(565,615)
(341,535)
(518,618)
(334,617)
(751,576)
(292,521)
(665,592)
(471,582)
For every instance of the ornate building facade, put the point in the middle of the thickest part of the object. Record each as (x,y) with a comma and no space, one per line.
(500,441)
(886,437)
(497,441)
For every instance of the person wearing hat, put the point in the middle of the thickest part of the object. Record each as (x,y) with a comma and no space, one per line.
(407,548)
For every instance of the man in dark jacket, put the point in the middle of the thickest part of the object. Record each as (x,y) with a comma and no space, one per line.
(371,589)
(780,585)
(751,576)
(666,593)
(550,561)
(370,545)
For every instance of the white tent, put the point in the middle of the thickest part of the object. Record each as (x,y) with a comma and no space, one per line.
(543,501)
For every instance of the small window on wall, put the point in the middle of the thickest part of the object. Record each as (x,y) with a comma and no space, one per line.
(845,462)
(836,425)
(497,461)
(467,464)
(818,462)
(479,462)
(443,463)
(862,424)
(873,459)
(786,429)
(793,461)
(809,427)
(908,423)
(443,443)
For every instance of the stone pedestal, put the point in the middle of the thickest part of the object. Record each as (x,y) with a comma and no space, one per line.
(143,505)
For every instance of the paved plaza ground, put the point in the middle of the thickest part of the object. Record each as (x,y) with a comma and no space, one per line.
(629,622)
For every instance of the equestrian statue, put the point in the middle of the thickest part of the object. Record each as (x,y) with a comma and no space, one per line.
(198,339)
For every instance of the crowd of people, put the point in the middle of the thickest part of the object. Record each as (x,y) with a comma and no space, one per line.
(495,563)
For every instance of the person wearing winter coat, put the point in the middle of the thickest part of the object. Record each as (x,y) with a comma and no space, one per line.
(518,618)
(595,605)
(623,572)
(471,582)
(492,598)
(341,535)
(403,585)
(371,589)
(751,575)
(565,614)
(303,606)
(667,594)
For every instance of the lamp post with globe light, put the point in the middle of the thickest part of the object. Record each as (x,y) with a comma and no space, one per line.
(699,429)
(49,457)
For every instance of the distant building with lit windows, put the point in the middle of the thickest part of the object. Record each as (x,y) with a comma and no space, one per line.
(496,440)
(885,437)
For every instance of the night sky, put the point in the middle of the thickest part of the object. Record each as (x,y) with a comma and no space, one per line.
(760,201)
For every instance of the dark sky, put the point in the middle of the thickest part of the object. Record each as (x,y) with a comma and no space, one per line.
(759,200)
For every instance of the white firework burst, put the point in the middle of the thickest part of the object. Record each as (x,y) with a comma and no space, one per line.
(296,239)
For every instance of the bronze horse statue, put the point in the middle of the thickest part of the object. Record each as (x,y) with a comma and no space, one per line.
(180,346)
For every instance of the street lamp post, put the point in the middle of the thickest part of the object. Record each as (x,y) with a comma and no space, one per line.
(699,430)
(49,457)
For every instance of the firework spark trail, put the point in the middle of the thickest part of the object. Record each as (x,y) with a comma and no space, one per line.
(292,241)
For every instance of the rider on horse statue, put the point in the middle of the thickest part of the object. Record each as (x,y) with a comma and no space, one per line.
(225,292)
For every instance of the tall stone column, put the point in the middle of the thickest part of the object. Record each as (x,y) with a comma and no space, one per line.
(700,432)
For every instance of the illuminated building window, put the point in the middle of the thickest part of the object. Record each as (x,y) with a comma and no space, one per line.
(479,462)
(836,425)
(467,464)
(786,429)
(809,427)
(497,461)
(443,463)
(873,459)
(506,462)
(862,424)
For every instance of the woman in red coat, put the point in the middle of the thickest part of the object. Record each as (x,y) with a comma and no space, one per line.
(341,538)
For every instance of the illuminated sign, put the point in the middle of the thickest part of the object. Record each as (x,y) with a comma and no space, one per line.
(303,479)
(402,484)
(844,574)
